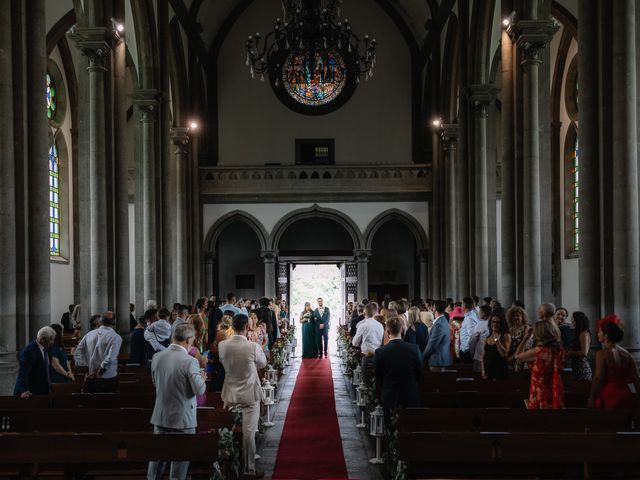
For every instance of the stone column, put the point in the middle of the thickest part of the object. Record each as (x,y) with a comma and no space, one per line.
(93,43)
(121,191)
(508,204)
(449,144)
(351,281)
(480,96)
(362,260)
(626,228)
(269,259)
(534,36)
(209,261)
(423,256)
(147,102)
(588,134)
(283,281)
(39,269)
(180,141)
(8,290)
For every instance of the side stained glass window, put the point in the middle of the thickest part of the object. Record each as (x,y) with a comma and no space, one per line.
(54,201)
(52,100)
(575,197)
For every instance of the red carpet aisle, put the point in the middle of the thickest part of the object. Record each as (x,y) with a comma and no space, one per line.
(310,447)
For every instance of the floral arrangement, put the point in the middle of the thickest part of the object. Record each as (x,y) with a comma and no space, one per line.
(228,454)
(397,468)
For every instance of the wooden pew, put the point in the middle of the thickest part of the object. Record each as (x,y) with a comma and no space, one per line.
(555,455)
(102,454)
(129,386)
(480,399)
(516,420)
(103,420)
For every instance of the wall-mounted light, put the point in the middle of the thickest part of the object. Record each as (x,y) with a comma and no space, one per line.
(436,122)
(193,125)
(119,27)
(508,20)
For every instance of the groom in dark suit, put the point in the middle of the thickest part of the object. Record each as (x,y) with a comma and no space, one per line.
(322,317)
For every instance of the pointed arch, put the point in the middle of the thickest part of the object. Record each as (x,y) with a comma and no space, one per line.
(235,216)
(409,221)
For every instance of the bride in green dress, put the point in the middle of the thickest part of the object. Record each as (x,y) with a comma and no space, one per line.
(309,344)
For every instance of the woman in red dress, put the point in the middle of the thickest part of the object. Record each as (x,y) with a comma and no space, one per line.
(615,369)
(547,362)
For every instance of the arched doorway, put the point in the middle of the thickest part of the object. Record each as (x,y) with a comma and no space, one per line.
(234,262)
(398,246)
(321,237)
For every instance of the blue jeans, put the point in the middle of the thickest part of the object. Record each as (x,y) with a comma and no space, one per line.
(178,469)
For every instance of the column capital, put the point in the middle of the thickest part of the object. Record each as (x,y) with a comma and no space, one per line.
(362,255)
(95,43)
(449,135)
(532,36)
(269,256)
(480,97)
(180,139)
(147,100)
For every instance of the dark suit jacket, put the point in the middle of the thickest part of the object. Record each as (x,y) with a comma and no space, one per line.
(32,376)
(66,322)
(355,319)
(324,319)
(398,365)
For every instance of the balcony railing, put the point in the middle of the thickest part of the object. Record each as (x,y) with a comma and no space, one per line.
(300,182)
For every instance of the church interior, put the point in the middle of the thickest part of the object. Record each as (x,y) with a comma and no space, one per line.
(157,152)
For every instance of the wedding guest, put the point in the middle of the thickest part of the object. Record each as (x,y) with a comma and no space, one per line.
(182,314)
(455,324)
(578,352)
(137,347)
(426,317)
(479,336)
(356,317)
(518,321)
(178,380)
(496,349)
(34,375)
(242,388)
(60,371)
(417,332)
(98,350)
(467,328)
(223,331)
(398,367)
(195,320)
(546,312)
(615,369)
(566,334)
(65,321)
(369,338)
(546,390)
(437,353)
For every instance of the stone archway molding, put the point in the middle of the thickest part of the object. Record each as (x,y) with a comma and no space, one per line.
(235,216)
(316,211)
(422,243)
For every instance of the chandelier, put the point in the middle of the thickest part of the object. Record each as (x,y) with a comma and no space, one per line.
(311,54)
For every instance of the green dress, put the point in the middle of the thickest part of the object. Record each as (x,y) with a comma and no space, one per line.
(309,344)
(58,352)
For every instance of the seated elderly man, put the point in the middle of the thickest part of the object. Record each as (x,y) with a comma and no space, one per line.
(34,377)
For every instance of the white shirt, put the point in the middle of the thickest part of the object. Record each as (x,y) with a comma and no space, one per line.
(467,328)
(158,332)
(369,335)
(478,337)
(99,349)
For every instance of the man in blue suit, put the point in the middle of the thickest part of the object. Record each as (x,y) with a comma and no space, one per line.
(34,376)
(437,352)
(322,318)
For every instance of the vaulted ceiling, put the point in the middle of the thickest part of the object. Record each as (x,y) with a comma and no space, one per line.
(211,15)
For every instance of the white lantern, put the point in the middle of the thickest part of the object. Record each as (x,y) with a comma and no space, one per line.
(361,401)
(357,377)
(272,375)
(376,429)
(268,401)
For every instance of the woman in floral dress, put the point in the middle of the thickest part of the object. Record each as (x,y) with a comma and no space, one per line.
(547,363)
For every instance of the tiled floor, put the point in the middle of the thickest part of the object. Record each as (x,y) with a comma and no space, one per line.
(357,446)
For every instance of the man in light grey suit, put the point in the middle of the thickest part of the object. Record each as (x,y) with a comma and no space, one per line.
(178,379)
(241,360)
